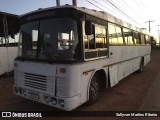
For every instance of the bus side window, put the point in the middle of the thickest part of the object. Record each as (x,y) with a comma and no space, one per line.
(128,36)
(139,36)
(142,39)
(100,35)
(91,42)
(112,34)
(119,35)
(148,41)
(95,45)
(136,38)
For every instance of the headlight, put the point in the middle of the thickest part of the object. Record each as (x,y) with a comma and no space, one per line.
(47,98)
(20,91)
(61,102)
(54,101)
(24,92)
(16,89)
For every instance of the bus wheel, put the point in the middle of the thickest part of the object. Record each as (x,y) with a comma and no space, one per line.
(141,66)
(94,91)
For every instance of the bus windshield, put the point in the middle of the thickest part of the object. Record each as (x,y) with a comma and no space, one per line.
(51,39)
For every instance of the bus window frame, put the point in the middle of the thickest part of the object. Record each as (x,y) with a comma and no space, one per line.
(132,39)
(95,52)
(142,36)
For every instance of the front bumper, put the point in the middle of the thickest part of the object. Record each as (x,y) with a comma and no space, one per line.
(63,103)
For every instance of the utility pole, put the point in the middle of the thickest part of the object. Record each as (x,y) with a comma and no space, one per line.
(74,2)
(149,24)
(58,2)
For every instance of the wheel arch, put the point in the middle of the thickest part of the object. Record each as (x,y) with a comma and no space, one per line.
(103,79)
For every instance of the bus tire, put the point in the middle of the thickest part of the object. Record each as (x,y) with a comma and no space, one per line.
(141,66)
(94,90)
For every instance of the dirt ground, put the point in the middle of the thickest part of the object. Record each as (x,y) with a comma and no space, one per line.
(128,95)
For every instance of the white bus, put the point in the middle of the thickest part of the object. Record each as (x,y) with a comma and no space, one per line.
(9,28)
(68,54)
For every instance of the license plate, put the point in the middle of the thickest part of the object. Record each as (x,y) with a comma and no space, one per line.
(33,96)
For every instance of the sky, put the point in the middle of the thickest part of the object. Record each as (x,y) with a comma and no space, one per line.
(133,11)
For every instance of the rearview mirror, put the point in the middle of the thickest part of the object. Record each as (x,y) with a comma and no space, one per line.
(88,28)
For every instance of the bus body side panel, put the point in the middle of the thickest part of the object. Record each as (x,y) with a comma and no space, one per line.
(125,60)
(128,67)
(113,73)
(146,59)
(147,52)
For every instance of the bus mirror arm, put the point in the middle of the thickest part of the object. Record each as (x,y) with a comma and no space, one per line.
(88,27)
(12,36)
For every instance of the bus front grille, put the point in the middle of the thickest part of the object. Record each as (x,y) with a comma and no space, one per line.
(35,81)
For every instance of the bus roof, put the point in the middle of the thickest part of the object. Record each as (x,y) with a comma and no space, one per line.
(99,14)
